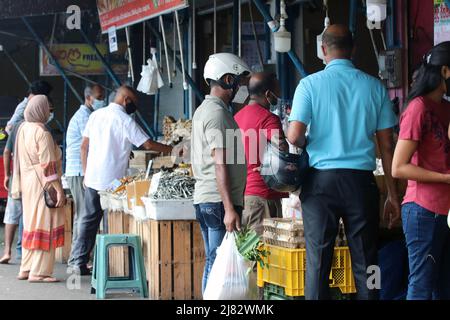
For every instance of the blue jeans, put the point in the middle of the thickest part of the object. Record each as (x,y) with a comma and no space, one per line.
(393,262)
(210,216)
(428,241)
(19,240)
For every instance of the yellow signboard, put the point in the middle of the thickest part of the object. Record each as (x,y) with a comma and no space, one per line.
(81,58)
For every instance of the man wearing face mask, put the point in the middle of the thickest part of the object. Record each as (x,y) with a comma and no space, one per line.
(260,126)
(107,141)
(94,96)
(344,109)
(217,155)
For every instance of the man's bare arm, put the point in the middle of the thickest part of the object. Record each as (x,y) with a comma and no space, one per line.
(296,134)
(84,153)
(392,206)
(232,219)
(6,167)
(155,146)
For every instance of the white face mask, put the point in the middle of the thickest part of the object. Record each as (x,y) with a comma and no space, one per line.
(242,95)
(51,117)
(98,104)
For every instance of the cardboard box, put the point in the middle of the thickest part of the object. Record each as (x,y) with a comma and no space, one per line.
(136,190)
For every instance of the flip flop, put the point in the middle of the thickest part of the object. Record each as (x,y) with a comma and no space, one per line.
(5,261)
(44,280)
(23,277)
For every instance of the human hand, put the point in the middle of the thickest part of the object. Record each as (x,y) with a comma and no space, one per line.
(392,212)
(61,198)
(232,220)
(6,183)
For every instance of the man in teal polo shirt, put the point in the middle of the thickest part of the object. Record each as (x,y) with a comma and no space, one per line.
(344,109)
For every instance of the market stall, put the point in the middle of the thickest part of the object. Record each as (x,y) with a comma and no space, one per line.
(155,202)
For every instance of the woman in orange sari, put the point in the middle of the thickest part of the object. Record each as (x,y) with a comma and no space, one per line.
(37,165)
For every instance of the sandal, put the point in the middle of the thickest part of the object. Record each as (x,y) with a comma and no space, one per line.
(43,280)
(5,260)
(23,276)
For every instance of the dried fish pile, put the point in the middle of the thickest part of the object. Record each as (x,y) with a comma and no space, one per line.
(176,131)
(174,186)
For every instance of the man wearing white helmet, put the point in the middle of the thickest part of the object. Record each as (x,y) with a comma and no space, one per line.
(217,154)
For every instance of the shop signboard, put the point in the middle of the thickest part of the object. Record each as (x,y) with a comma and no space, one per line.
(123,13)
(441,21)
(81,58)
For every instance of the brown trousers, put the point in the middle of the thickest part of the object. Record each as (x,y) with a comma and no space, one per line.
(256,209)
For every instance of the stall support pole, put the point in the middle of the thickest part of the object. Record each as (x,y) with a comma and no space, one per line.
(236,22)
(52,59)
(391,24)
(191,82)
(270,21)
(102,59)
(116,80)
(66,107)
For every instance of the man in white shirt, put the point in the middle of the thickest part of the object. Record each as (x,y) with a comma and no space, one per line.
(107,143)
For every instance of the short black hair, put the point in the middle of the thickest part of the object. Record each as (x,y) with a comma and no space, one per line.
(40,87)
(261,86)
(339,42)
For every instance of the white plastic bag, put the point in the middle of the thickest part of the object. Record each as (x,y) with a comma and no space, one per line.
(229,276)
(151,79)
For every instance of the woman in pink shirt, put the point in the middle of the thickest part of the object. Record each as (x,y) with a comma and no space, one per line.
(422,156)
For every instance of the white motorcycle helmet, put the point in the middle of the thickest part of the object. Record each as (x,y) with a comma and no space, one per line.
(220,64)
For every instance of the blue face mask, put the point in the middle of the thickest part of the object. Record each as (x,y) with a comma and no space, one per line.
(98,104)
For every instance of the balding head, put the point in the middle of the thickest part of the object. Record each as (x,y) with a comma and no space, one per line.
(264,88)
(337,42)
(126,94)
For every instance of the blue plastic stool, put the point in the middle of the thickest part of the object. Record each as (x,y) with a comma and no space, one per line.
(100,280)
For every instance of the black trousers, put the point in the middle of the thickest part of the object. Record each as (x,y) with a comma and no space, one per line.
(327,196)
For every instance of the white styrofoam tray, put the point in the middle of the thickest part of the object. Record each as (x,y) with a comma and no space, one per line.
(104,200)
(169,209)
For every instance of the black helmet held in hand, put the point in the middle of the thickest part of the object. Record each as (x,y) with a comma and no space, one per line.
(284,172)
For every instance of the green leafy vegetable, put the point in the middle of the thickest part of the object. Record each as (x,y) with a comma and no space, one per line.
(251,247)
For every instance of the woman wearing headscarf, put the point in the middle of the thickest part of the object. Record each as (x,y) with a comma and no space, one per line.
(37,166)
(422,156)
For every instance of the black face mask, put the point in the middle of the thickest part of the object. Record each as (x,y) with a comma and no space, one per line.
(130,107)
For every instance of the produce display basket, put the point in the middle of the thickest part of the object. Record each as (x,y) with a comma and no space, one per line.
(286,268)
(286,233)
(274,292)
(169,209)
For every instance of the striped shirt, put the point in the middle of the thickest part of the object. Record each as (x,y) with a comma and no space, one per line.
(73,140)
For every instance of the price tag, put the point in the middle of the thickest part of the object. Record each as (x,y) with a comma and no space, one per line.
(149,168)
(155,183)
(113,46)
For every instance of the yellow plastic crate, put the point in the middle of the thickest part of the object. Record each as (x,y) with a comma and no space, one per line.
(287,269)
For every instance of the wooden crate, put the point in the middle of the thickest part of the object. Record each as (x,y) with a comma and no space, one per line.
(62,254)
(176,260)
(142,229)
(118,223)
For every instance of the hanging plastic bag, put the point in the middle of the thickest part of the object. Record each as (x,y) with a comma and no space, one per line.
(151,79)
(157,81)
(229,276)
(146,81)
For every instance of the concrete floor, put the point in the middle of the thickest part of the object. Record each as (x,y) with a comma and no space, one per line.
(70,288)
